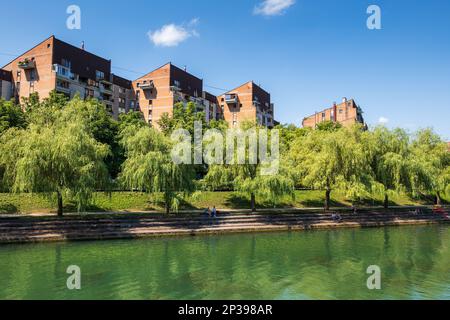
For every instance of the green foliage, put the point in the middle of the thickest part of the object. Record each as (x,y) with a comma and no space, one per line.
(68,148)
(102,126)
(288,134)
(132,118)
(184,116)
(432,154)
(328,126)
(149,166)
(62,157)
(394,167)
(247,178)
(11,116)
(331,159)
(43,113)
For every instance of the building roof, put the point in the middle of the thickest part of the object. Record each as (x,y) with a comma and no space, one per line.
(326,109)
(210,97)
(60,42)
(5,75)
(188,83)
(171,67)
(121,82)
(83,62)
(255,88)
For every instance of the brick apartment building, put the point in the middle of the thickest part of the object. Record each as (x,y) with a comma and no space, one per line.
(248,102)
(158,91)
(56,65)
(346,113)
(6,87)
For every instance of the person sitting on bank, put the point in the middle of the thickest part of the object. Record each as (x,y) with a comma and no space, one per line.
(207,212)
(336,216)
(214,212)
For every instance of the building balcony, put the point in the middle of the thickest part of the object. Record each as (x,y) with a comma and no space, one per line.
(146,86)
(175,89)
(104,81)
(257,104)
(64,72)
(106,90)
(108,103)
(231,98)
(27,64)
(62,89)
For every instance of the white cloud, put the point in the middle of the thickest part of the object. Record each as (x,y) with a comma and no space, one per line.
(171,35)
(383,120)
(273,7)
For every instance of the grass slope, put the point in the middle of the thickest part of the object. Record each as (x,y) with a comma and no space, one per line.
(135,201)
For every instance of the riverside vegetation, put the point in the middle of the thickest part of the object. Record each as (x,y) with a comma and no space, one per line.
(72,155)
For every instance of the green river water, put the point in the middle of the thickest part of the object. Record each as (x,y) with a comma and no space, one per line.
(414,262)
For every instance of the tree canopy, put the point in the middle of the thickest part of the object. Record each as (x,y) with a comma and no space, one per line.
(149,167)
(61,158)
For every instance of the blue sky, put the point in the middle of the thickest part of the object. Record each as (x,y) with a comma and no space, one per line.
(308,54)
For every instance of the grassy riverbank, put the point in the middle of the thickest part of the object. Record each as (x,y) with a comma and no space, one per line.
(127,201)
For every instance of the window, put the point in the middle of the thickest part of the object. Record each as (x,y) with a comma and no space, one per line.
(100,75)
(32,74)
(66,63)
(340,111)
(323,115)
(88,93)
(177,83)
(93,83)
(62,84)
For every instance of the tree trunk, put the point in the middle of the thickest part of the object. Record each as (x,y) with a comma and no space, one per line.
(327,199)
(167,202)
(253,202)
(438,198)
(60,204)
(386,201)
(167,207)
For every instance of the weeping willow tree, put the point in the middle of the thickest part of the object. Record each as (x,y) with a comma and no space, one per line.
(149,167)
(60,159)
(329,160)
(249,169)
(394,167)
(433,155)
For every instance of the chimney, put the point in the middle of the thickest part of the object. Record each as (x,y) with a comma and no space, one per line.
(334,119)
(82,45)
(185,68)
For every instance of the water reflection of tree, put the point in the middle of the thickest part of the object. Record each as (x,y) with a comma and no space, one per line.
(325,264)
